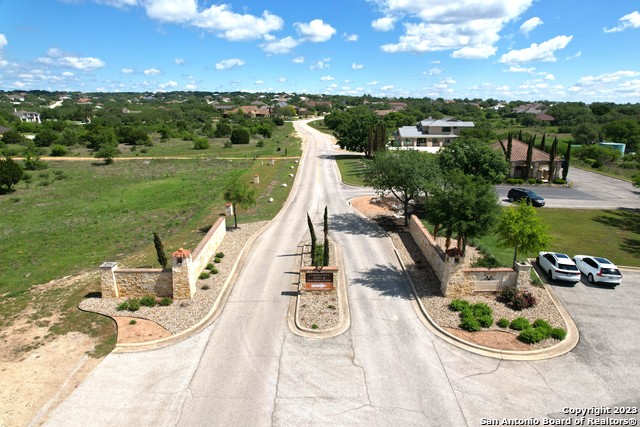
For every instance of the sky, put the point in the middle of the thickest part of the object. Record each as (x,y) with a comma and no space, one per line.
(557,50)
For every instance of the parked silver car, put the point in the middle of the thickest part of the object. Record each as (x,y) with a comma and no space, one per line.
(558,266)
(598,270)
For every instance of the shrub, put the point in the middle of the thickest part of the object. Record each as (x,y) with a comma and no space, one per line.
(314,326)
(485,320)
(523,299)
(260,144)
(519,324)
(558,333)
(458,305)
(205,287)
(515,181)
(133,321)
(133,304)
(214,270)
(148,301)
(240,135)
(486,261)
(201,144)
(559,181)
(217,260)
(481,309)
(508,293)
(227,144)
(58,150)
(503,323)
(204,275)
(542,324)
(531,181)
(210,266)
(532,335)
(166,301)
(220,255)
(470,323)
(122,306)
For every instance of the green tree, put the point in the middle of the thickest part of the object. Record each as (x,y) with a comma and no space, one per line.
(543,142)
(201,143)
(474,157)
(107,152)
(585,134)
(626,131)
(466,206)
(509,148)
(10,173)
(312,232)
(162,257)
(636,180)
(12,136)
(552,158)
(240,135)
(46,137)
(353,133)
(527,165)
(567,161)
(326,237)
(404,173)
(239,193)
(519,227)
(223,129)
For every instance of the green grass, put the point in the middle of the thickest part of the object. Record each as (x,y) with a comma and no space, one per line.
(613,234)
(351,166)
(319,125)
(612,171)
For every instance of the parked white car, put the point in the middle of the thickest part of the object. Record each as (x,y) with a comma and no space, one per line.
(558,266)
(598,270)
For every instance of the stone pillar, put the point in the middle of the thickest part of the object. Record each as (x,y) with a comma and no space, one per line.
(523,269)
(108,284)
(180,265)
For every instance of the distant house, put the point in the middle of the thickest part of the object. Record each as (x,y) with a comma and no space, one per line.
(27,116)
(398,106)
(538,110)
(430,134)
(539,161)
(250,111)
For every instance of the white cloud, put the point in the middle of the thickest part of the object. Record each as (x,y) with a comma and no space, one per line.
(320,65)
(282,79)
(577,55)
(151,72)
(179,61)
(434,71)
(279,46)
(383,24)
(119,3)
(606,78)
(475,52)
(298,60)
(68,74)
(327,78)
(178,11)
(350,37)
(235,27)
(373,83)
(631,20)
(549,76)
(519,69)
(357,66)
(127,70)
(537,52)
(191,86)
(315,31)
(469,27)
(169,84)
(259,82)
(386,88)
(3,41)
(530,24)
(227,64)
(57,58)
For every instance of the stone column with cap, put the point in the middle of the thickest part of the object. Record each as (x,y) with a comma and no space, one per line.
(108,284)
(180,262)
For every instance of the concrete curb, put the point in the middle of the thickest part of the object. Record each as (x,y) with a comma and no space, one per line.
(345,316)
(220,302)
(559,349)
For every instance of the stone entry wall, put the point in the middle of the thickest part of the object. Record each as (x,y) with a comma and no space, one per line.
(457,281)
(178,282)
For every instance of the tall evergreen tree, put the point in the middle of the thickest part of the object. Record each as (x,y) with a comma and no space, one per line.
(565,164)
(313,236)
(552,157)
(162,257)
(509,148)
(542,143)
(527,166)
(520,135)
(326,237)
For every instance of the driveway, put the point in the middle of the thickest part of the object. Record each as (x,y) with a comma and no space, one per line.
(590,191)
(247,368)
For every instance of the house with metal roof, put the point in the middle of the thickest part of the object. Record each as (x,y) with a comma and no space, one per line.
(430,134)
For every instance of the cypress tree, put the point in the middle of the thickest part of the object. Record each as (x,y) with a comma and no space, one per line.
(326,238)
(162,257)
(552,157)
(542,143)
(313,236)
(565,165)
(529,156)
(509,147)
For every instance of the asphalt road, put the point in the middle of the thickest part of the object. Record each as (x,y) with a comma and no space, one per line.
(248,369)
(590,191)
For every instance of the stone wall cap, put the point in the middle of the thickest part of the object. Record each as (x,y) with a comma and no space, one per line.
(108,265)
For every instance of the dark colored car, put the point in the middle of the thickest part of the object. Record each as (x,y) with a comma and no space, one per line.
(516,194)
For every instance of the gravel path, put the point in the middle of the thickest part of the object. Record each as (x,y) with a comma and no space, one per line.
(183,314)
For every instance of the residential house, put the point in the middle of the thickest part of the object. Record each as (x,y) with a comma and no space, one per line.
(27,116)
(538,110)
(539,161)
(430,134)
(398,106)
(250,111)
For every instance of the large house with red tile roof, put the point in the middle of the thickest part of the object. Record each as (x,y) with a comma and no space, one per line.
(539,161)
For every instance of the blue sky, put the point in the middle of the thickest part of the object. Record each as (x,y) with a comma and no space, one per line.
(562,50)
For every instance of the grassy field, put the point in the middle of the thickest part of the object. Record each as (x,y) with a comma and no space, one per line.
(613,234)
(351,166)
(319,125)
(75,215)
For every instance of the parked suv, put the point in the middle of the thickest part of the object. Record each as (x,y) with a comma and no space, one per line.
(516,194)
(558,266)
